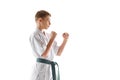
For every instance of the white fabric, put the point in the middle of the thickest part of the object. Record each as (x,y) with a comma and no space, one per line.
(38,42)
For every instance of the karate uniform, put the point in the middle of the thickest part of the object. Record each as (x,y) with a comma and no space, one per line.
(39,42)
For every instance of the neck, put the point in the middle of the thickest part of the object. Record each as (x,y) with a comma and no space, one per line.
(40,28)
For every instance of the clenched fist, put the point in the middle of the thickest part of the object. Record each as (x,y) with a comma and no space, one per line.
(53,34)
(65,35)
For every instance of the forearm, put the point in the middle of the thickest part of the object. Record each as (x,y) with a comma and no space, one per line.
(61,48)
(45,53)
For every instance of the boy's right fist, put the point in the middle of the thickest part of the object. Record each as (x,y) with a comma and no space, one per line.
(53,34)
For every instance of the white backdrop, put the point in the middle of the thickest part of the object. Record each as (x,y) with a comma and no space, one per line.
(93,49)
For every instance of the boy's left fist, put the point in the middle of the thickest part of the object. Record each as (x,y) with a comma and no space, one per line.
(65,35)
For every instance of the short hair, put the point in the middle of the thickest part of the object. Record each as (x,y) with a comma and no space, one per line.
(42,14)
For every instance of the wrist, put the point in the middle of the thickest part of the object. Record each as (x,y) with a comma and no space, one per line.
(65,39)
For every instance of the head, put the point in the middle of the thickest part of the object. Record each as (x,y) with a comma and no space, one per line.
(42,19)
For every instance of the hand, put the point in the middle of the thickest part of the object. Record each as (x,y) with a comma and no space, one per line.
(65,35)
(53,34)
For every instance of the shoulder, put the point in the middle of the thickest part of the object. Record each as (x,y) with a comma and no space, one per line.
(34,35)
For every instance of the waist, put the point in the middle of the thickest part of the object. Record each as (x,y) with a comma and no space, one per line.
(52,63)
(45,61)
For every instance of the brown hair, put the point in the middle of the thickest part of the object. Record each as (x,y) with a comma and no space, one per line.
(42,14)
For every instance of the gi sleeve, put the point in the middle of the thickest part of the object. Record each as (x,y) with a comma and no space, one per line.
(37,45)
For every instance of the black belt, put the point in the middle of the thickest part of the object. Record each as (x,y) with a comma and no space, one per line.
(53,67)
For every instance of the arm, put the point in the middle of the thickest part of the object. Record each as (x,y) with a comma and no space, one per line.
(61,48)
(53,35)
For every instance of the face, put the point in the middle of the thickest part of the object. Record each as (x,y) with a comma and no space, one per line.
(45,23)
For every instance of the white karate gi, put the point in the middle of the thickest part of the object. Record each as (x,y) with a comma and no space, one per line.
(39,42)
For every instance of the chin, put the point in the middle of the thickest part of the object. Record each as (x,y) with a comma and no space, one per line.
(47,27)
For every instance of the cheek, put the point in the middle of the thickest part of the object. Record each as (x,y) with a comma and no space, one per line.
(43,23)
(48,23)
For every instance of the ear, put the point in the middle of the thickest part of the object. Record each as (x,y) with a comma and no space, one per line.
(39,19)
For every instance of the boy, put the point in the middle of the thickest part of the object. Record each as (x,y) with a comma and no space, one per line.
(45,47)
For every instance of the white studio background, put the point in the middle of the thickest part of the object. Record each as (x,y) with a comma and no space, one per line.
(93,49)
